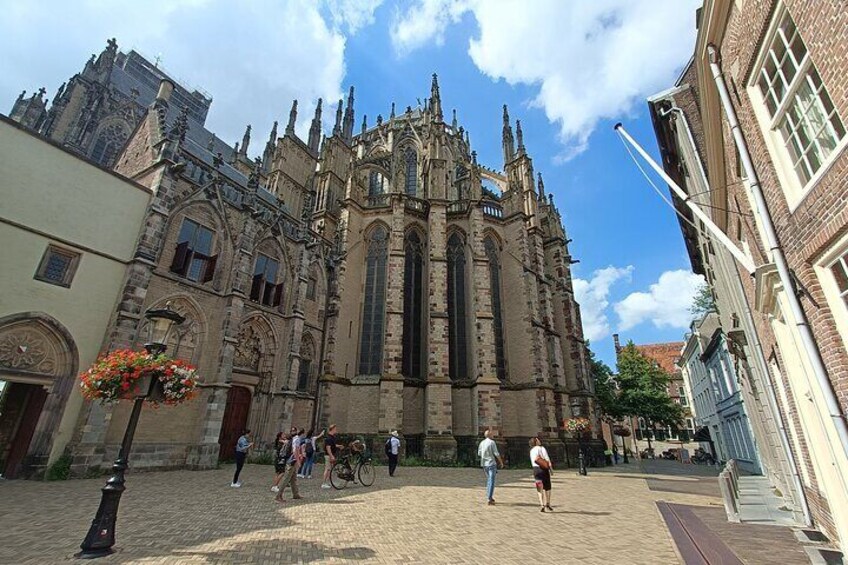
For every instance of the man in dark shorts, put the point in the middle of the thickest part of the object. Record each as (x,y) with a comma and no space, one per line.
(331,449)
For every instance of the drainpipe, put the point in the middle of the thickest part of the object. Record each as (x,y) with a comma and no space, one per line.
(758,350)
(807,340)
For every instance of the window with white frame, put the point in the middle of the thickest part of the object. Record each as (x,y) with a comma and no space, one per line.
(832,270)
(839,269)
(800,111)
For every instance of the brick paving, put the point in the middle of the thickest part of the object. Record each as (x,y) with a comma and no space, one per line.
(424,515)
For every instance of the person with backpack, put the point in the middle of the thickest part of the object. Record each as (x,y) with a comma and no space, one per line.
(310,450)
(392,451)
(542,469)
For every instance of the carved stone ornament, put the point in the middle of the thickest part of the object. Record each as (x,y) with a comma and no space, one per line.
(248,349)
(29,348)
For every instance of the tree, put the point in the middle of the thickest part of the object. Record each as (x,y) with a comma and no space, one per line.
(643,391)
(606,391)
(703,303)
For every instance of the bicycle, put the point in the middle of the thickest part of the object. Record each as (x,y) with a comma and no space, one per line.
(352,466)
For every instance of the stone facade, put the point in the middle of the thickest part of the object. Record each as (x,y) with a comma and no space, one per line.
(379,281)
(797,432)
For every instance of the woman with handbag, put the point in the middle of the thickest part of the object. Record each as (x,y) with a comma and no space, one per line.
(542,470)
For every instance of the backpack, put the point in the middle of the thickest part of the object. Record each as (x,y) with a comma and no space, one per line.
(310,448)
(389,446)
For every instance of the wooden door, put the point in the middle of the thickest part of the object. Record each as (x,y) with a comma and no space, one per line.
(235,421)
(28,401)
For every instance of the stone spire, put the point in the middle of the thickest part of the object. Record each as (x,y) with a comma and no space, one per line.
(519,137)
(392,115)
(245,141)
(270,146)
(435,99)
(541,184)
(292,119)
(347,125)
(508,142)
(453,120)
(364,124)
(337,129)
(315,129)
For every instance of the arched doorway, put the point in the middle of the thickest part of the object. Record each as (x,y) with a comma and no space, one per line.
(235,420)
(38,362)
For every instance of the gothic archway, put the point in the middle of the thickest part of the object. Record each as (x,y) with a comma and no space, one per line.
(38,364)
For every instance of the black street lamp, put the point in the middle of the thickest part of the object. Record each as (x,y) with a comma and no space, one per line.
(101,535)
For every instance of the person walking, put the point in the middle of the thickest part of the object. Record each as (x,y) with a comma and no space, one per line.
(392,451)
(331,448)
(292,466)
(242,447)
(310,451)
(281,455)
(542,470)
(490,460)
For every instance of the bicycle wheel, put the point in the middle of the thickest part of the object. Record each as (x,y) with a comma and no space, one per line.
(366,473)
(339,476)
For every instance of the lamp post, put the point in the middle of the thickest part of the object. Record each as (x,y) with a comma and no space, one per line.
(577,412)
(101,535)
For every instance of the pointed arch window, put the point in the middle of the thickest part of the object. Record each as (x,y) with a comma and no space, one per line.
(374,308)
(109,141)
(413,298)
(376,183)
(411,162)
(307,353)
(457,324)
(497,313)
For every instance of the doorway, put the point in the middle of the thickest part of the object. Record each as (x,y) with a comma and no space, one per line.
(20,408)
(235,421)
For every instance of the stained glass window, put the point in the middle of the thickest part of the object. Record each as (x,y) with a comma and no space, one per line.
(457,323)
(413,280)
(373,311)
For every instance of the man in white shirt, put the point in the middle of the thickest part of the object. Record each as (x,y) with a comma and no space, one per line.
(392,450)
(490,460)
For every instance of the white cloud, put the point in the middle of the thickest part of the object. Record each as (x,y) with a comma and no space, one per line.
(352,15)
(666,304)
(253,57)
(593,298)
(589,60)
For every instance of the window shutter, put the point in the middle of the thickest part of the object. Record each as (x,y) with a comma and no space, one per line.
(209,272)
(278,295)
(256,288)
(181,259)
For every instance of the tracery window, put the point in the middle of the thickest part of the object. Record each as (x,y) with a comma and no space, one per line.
(376,183)
(192,258)
(457,331)
(497,312)
(373,311)
(411,159)
(413,281)
(109,141)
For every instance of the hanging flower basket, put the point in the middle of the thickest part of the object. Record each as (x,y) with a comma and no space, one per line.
(126,374)
(577,426)
(623,432)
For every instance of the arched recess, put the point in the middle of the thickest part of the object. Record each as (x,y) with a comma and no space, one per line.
(256,344)
(186,254)
(492,248)
(39,362)
(306,370)
(458,362)
(109,139)
(186,340)
(372,329)
(414,304)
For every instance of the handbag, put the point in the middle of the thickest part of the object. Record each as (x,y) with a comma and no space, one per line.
(542,463)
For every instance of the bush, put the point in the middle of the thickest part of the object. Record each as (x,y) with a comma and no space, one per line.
(421,462)
(60,470)
(263,458)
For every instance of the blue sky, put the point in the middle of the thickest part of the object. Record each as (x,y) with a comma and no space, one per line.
(567,70)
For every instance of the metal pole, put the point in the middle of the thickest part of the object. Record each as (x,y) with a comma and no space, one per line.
(773,244)
(700,214)
(101,535)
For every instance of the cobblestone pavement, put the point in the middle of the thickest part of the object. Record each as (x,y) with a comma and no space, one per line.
(423,515)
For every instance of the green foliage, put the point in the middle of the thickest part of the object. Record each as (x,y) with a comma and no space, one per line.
(643,389)
(261,458)
(421,462)
(60,470)
(703,303)
(606,392)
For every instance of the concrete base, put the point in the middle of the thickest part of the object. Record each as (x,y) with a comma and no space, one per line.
(440,448)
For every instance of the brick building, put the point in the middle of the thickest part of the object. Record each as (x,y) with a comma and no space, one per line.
(784,65)
(357,279)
